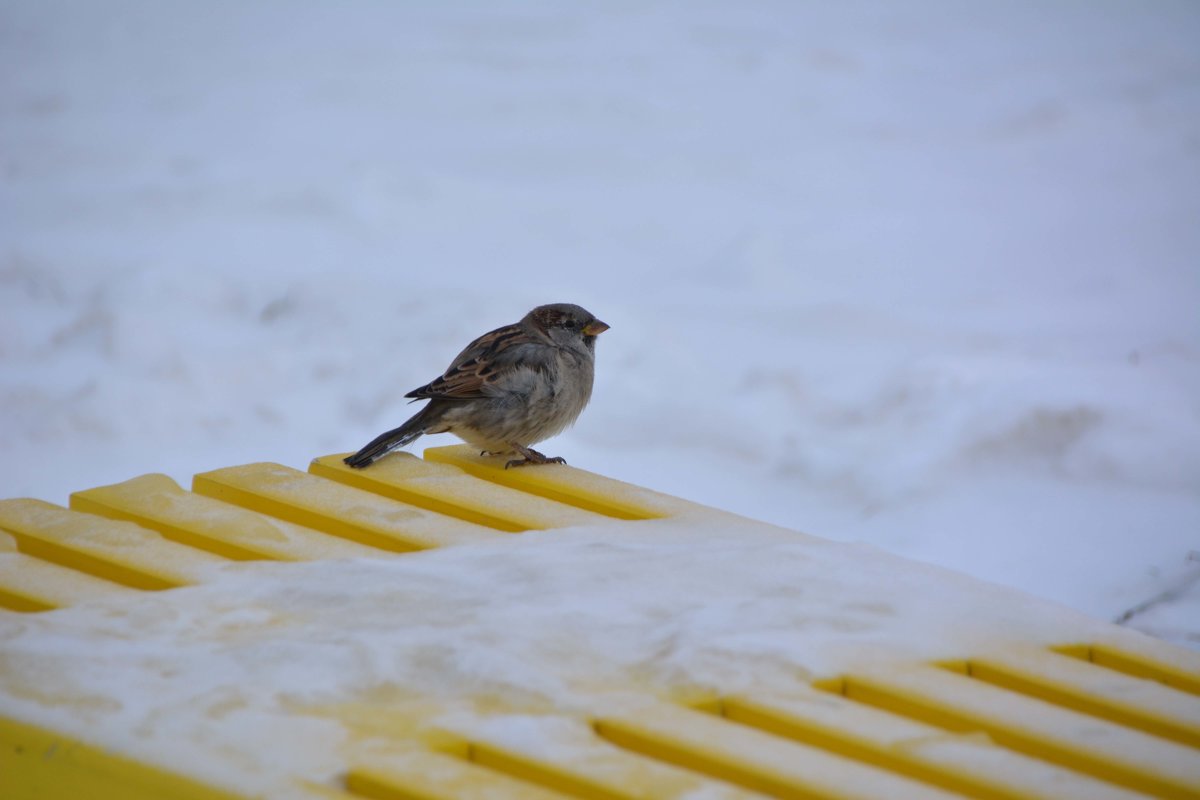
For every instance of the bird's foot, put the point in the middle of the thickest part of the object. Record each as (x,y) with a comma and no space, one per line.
(531,456)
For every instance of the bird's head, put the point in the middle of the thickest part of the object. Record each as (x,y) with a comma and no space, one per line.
(565,323)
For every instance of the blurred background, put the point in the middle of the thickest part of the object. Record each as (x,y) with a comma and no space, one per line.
(923,276)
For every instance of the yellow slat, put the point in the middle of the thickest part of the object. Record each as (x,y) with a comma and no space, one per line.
(1143,657)
(1098,747)
(564,484)
(157,502)
(957,762)
(571,758)
(449,490)
(39,764)
(428,775)
(1137,702)
(337,509)
(114,550)
(753,759)
(310,790)
(14,595)
(30,584)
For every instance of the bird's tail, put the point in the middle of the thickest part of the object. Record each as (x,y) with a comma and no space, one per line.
(385,443)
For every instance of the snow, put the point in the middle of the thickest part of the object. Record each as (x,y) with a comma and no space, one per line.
(920,276)
(923,277)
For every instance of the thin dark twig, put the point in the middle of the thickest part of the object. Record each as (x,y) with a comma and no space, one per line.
(1173,592)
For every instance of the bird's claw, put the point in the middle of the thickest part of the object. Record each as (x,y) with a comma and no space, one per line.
(532,456)
(524,462)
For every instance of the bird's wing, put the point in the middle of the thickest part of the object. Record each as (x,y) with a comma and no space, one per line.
(477,368)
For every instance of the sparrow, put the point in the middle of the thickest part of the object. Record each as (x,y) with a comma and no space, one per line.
(508,390)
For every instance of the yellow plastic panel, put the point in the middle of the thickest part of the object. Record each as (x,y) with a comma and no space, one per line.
(37,764)
(1136,702)
(575,487)
(582,764)
(156,501)
(309,790)
(1149,658)
(337,509)
(427,775)
(30,584)
(110,549)
(961,763)
(754,759)
(449,490)
(1108,751)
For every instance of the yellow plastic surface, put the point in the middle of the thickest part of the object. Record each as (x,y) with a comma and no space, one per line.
(579,762)
(30,584)
(1152,659)
(1136,702)
(116,551)
(1030,725)
(449,490)
(337,509)
(1112,719)
(959,762)
(38,763)
(586,490)
(430,775)
(754,759)
(157,502)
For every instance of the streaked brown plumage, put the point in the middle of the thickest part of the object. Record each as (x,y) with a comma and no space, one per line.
(509,389)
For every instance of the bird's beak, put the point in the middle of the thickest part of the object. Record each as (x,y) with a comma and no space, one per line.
(595,328)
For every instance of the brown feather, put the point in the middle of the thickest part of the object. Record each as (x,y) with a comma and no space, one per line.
(474,369)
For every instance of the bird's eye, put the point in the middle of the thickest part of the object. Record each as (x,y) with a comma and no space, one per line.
(572,324)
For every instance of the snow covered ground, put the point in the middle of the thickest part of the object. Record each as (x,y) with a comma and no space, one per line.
(923,275)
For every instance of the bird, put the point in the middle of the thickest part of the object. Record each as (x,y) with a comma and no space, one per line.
(507,390)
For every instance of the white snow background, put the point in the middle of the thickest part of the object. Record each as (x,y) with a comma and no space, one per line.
(920,275)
